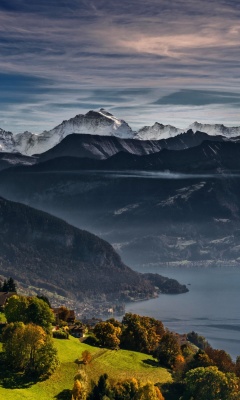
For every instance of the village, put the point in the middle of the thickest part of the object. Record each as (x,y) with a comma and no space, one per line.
(77,318)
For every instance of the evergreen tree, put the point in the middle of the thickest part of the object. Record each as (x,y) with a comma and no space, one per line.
(8,286)
(102,390)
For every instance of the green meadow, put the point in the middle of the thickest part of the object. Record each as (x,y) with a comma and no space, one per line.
(118,364)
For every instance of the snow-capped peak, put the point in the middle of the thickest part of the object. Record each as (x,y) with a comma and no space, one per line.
(215,129)
(6,141)
(157,131)
(93,122)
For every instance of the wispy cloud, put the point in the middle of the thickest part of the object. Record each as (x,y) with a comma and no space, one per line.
(71,54)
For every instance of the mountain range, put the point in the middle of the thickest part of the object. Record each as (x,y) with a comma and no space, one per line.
(164,207)
(102,123)
(170,201)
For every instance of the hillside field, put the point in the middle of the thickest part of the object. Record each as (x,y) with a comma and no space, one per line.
(118,364)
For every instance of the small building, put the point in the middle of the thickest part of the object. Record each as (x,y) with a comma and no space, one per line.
(4,296)
(77,331)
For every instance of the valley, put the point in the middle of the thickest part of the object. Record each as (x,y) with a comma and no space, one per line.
(167,202)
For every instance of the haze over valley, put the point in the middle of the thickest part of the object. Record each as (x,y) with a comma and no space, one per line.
(183,208)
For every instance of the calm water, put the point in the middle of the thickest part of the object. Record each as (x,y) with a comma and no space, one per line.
(211,308)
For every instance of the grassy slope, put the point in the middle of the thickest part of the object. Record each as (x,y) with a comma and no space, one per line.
(118,364)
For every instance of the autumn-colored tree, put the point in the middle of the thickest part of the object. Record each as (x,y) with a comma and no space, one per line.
(237,366)
(29,349)
(77,390)
(81,377)
(159,394)
(86,357)
(114,322)
(210,384)
(107,334)
(179,368)
(148,391)
(221,359)
(168,350)
(63,313)
(141,333)
(126,390)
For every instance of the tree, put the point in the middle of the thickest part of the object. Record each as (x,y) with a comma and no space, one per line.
(77,390)
(8,286)
(126,390)
(15,309)
(198,340)
(29,310)
(148,391)
(39,313)
(221,359)
(63,313)
(29,349)
(200,359)
(86,357)
(210,384)
(80,388)
(46,299)
(107,334)
(237,366)
(141,333)
(102,390)
(168,350)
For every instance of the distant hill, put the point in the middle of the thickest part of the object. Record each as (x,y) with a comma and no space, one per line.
(44,251)
(8,160)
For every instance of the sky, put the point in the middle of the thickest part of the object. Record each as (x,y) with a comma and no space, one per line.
(174,62)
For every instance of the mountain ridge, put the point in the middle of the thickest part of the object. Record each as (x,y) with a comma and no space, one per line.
(39,249)
(101,123)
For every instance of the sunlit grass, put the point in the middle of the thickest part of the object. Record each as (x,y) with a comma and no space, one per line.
(117,364)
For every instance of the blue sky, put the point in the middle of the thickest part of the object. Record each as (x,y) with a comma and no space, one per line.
(168,61)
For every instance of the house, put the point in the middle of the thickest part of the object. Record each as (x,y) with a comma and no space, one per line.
(77,331)
(4,296)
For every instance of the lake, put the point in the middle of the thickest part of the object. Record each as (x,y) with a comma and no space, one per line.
(210,308)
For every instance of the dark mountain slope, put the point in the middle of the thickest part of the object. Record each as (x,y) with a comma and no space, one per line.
(208,157)
(102,147)
(8,160)
(39,249)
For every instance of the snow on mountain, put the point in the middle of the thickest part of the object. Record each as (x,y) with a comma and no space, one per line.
(100,123)
(215,129)
(6,141)
(94,123)
(157,132)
